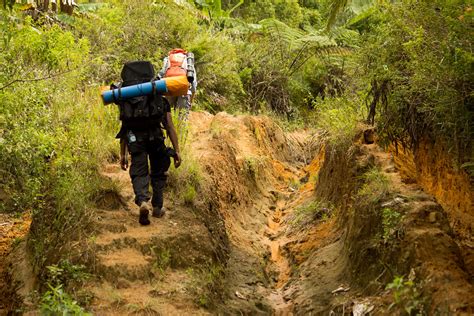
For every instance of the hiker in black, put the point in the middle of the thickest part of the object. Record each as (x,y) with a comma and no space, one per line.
(141,134)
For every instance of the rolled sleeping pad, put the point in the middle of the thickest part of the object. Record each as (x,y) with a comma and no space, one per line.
(173,86)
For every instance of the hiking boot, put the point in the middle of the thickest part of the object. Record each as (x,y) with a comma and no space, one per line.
(144,211)
(158,212)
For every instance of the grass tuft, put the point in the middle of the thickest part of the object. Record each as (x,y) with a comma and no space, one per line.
(308,214)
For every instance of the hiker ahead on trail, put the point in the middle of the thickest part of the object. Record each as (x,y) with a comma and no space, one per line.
(179,62)
(143,120)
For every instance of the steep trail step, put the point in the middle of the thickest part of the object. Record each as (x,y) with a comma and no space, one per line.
(143,269)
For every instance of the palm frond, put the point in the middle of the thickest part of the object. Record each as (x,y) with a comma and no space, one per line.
(298,46)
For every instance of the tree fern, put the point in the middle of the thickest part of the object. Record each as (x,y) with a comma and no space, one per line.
(296,39)
(283,33)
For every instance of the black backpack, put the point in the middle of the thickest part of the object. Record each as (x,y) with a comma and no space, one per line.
(143,112)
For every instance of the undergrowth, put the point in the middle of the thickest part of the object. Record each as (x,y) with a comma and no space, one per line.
(186,181)
(407,298)
(339,118)
(205,281)
(54,132)
(163,259)
(306,215)
(56,301)
(375,188)
(390,220)
(62,279)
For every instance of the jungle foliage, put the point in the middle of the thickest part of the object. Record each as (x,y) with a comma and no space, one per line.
(417,65)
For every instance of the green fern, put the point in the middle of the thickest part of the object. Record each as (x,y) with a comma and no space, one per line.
(297,45)
(296,39)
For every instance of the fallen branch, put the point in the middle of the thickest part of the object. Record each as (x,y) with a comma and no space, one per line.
(33,79)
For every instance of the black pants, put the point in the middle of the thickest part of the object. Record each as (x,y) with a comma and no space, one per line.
(155,151)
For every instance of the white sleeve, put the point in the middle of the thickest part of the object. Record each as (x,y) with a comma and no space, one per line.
(194,84)
(166,65)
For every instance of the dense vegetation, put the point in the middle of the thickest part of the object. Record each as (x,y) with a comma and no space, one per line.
(405,66)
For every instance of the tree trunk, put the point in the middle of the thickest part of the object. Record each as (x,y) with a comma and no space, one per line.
(67,6)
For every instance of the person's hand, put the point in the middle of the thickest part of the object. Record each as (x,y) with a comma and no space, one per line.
(177,160)
(124,162)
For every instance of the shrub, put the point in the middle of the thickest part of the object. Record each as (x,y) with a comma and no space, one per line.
(217,70)
(339,118)
(45,112)
(130,30)
(308,214)
(390,220)
(255,11)
(406,296)
(186,181)
(289,12)
(418,65)
(189,194)
(57,302)
(264,75)
(163,259)
(206,283)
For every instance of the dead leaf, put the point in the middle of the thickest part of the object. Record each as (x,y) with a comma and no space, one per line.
(237,293)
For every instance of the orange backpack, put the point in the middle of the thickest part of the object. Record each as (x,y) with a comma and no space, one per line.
(177,63)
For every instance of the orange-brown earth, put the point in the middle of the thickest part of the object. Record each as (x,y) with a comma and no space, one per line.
(13,230)
(432,168)
(249,243)
(348,252)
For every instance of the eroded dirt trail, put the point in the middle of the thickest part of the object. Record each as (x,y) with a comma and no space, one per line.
(255,241)
(249,169)
(279,262)
(260,176)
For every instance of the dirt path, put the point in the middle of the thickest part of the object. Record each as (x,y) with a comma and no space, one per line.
(238,246)
(260,177)
(279,262)
(153,269)
(145,269)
